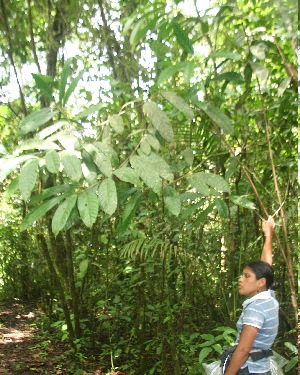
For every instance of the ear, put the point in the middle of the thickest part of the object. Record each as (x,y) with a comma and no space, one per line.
(263,281)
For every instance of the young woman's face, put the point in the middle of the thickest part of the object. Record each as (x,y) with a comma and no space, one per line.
(248,283)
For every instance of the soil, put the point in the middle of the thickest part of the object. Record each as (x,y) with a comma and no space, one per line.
(24,350)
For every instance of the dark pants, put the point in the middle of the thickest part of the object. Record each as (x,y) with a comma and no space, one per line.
(245,371)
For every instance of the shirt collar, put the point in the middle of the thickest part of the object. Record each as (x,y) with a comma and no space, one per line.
(262,295)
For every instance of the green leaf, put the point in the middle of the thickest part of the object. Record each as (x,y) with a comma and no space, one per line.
(28,177)
(170,71)
(260,71)
(129,211)
(88,111)
(72,87)
(62,214)
(145,147)
(66,70)
(54,190)
(42,83)
(107,195)
(197,182)
(108,151)
(182,38)
(36,119)
(259,50)
(291,347)
(219,118)
(52,161)
(215,181)
(161,166)
(72,165)
(188,155)
(291,364)
(116,122)
(242,201)
(83,266)
(179,103)
(11,188)
(128,174)
(204,353)
(88,207)
(51,129)
(172,200)
(230,76)
(222,208)
(284,85)
(202,216)
(36,144)
(101,160)
(225,54)
(188,71)
(145,170)
(8,165)
(159,120)
(153,142)
(36,213)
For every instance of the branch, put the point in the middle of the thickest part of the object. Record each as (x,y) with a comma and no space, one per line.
(10,54)
(32,36)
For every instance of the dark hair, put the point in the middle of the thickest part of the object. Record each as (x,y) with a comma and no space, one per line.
(263,269)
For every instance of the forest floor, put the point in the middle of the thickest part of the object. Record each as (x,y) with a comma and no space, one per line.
(23,348)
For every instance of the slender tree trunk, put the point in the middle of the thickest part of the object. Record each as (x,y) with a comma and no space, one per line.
(62,295)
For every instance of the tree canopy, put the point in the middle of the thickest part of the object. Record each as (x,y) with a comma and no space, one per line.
(142,143)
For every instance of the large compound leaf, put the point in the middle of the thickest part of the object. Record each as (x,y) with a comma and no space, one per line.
(52,161)
(72,165)
(36,119)
(159,120)
(107,195)
(62,214)
(88,207)
(28,177)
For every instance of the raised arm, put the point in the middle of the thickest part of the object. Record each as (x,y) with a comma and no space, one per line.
(268,229)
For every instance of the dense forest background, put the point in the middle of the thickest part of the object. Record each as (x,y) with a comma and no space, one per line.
(142,142)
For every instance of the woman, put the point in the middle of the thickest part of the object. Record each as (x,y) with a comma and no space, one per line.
(258,323)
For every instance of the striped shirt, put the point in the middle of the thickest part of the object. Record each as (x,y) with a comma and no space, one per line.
(260,311)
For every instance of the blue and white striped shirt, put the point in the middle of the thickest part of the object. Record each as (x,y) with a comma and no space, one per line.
(260,311)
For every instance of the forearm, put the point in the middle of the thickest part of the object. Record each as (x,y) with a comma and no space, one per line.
(267,251)
(268,228)
(239,357)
